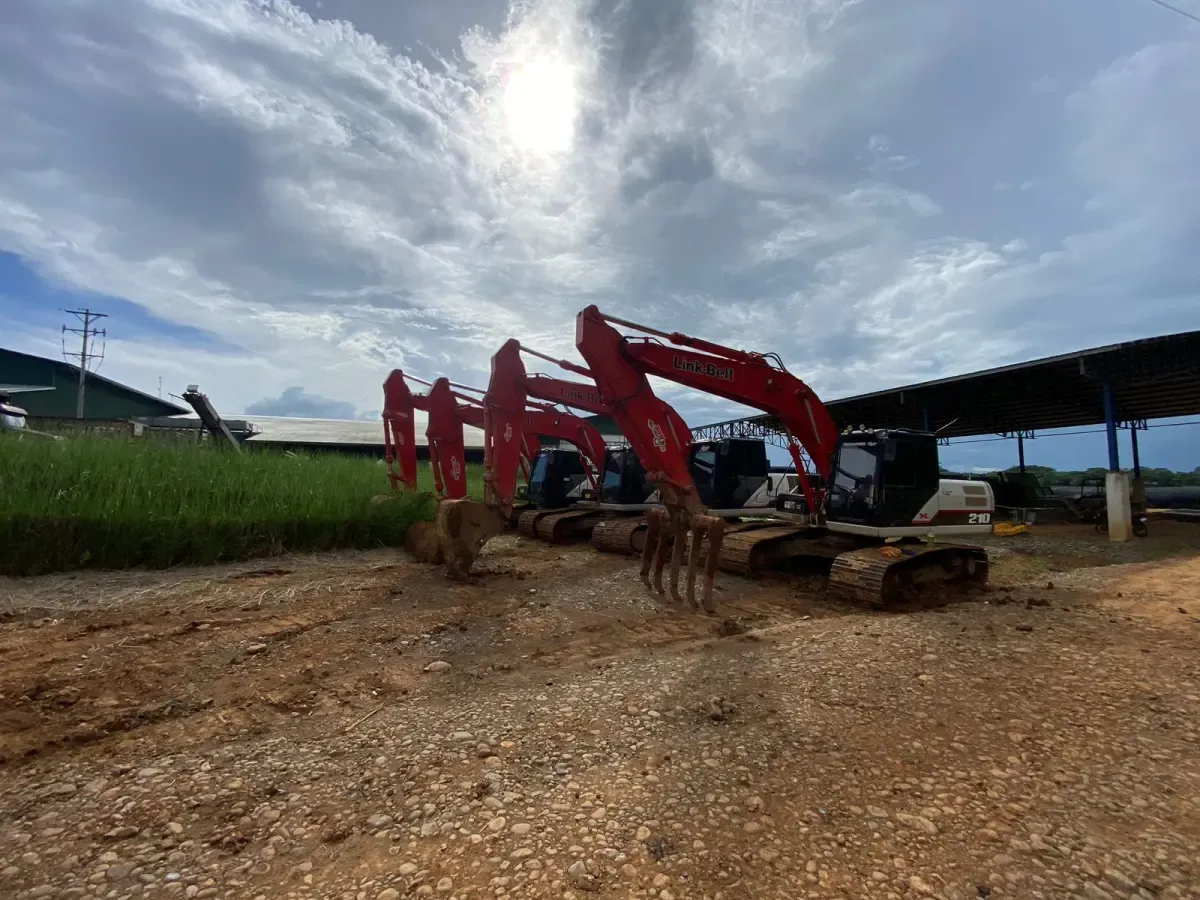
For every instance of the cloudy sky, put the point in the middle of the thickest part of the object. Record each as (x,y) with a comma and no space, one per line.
(282,201)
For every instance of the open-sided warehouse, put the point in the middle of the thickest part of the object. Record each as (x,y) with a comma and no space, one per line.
(1121,385)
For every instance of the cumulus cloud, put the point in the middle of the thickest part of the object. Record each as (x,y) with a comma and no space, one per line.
(337,188)
(295,401)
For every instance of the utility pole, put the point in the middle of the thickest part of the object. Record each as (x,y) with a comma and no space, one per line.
(85,355)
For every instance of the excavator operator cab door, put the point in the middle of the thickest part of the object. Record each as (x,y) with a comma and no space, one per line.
(624,480)
(554,475)
(883,479)
(728,472)
(854,477)
(910,476)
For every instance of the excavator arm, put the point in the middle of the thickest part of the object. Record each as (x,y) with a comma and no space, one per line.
(586,396)
(752,379)
(654,429)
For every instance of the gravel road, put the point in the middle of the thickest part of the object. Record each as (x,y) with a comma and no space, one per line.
(551,732)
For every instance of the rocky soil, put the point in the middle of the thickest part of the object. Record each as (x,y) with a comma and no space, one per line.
(354,727)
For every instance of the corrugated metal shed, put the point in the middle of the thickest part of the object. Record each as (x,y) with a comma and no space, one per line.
(352,432)
(47,388)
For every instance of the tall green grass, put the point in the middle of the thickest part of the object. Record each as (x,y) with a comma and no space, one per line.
(115,504)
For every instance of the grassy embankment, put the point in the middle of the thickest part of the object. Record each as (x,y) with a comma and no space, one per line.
(114,504)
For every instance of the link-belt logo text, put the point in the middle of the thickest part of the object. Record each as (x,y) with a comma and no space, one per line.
(586,396)
(683,364)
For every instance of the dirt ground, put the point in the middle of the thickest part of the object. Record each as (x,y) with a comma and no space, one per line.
(355,726)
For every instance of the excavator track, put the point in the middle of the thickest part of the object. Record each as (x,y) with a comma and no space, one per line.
(527,522)
(751,547)
(890,575)
(620,535)
(568,525)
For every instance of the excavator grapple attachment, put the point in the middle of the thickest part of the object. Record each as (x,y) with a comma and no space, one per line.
(667,532)
(463,527)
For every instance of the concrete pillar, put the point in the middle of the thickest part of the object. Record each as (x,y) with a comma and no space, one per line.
(1120,522)
(1021,453)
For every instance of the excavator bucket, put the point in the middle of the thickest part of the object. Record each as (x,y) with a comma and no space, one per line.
(422,543)
(672,530)
(463,527)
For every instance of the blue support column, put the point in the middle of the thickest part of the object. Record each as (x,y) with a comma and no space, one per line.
(928,420)
(1110,428)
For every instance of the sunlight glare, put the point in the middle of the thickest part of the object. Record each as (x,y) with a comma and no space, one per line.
(539,105)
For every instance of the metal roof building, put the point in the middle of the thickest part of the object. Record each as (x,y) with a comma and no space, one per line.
(1117,385)
(46,389)
(356,436)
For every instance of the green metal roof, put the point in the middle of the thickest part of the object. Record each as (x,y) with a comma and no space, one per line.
(37,376)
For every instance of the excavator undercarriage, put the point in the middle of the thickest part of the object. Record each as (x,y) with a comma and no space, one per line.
(858,570)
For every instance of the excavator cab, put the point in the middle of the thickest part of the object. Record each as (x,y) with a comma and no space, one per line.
(882,479)
(878,479)
(624,481)
(555,474)
(728,472)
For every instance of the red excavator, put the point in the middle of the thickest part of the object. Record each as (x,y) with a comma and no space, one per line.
(465,526)
(881,495)
(733,473)
(443,433)
(447,448)
(628,496)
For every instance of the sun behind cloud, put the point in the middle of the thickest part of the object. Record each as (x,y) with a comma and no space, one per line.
(540,101)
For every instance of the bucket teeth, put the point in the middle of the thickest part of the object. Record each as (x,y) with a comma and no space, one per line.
(679,533)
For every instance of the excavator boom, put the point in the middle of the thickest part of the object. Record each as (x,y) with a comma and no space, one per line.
(750,381)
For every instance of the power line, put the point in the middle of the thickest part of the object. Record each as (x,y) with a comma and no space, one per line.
(1177,10)
(988,440)
(85,354)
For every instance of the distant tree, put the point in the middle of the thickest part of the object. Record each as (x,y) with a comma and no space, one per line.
(1151,476)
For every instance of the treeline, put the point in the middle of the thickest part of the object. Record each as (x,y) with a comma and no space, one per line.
(1152,477)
